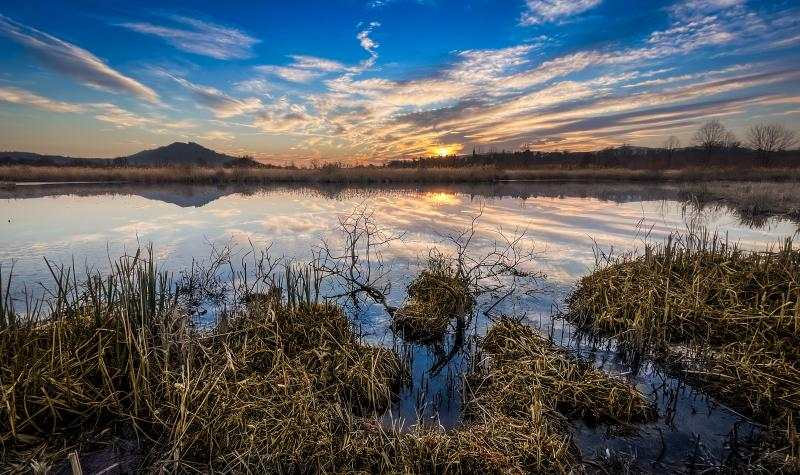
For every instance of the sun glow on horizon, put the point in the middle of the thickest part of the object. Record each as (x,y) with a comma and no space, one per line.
(446,150)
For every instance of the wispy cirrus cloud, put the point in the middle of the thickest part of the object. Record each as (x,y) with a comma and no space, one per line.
(304,68)
(546,11)
(217,135)
(220,104)
(318,64)
(503,97)
(283,116)
(122,119)
(200,37)
(21,96)
(289,73)
(103,111)
(73,61)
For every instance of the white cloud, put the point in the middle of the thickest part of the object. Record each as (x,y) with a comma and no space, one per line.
(73,61)
(222,105)
(304,68)
(289,73)
(203,38)
(691,8)
(122,118)
(217,135)
(254,86)
(318,64)
(20,96)
(546,11)
(369,45)
(284,117)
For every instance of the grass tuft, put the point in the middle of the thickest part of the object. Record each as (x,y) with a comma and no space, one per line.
(527,369)
(436,297)
(728,320)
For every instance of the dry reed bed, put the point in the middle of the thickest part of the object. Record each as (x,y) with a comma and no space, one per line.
(526,370)
(727,319)
(436,296)
(282,385)
(277,385)
(372,174)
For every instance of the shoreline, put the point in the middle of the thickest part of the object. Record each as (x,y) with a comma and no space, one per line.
(16,175)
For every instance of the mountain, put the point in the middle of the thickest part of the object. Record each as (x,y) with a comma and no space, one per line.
(179,153)
(174,154)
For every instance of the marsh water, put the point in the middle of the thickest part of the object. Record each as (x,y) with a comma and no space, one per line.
(566,225)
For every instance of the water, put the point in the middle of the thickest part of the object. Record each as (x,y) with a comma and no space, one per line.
(563,224)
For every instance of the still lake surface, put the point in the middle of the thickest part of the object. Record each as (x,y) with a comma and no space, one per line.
(565,223)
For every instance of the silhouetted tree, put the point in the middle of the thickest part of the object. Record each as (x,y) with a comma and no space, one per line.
(711,136)
(730,141)
(768,139)
(670,146)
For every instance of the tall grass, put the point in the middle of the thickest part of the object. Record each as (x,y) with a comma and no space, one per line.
(437,296)
(120,353)
(280,384)
(728,320)
(375,175)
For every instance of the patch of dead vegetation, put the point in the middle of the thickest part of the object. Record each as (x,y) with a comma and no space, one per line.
(726,319)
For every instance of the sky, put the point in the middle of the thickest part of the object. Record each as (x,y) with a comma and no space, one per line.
(362,81)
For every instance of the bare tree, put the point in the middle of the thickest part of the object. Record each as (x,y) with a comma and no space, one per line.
(768,139)
(711,136)
(671,145)
(357,265)
(730,141)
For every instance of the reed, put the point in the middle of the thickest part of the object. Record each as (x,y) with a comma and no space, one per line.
(726,319)
(526,369)
(119,353)
(377,174)
(753,202)
(280,384)
(437,296)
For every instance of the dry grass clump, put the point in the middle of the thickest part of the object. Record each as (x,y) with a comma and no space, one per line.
(727,319)
(695,288)
(277,384)
(526,369)
(438,295)
(281,385)
(493,444)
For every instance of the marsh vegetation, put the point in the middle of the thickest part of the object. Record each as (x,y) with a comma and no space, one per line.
(247,361)
(727,320)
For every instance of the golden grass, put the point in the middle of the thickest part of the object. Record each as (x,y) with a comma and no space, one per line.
(728,320)
(754,202)
(281,385)
(526,369)
(375,175)
(435,297)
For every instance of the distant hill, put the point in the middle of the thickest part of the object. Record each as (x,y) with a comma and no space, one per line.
(174,154)
(27,158)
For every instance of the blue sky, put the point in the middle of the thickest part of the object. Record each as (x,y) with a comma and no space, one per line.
(370,80)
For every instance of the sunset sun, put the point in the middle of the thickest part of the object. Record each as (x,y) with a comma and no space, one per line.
(445,150)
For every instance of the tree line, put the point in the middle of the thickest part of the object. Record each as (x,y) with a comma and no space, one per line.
(764,144)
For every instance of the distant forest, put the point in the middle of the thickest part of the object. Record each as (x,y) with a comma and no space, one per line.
(618,157)
(712,145)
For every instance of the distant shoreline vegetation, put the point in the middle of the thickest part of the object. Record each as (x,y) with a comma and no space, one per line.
(334,173)
(768,152)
